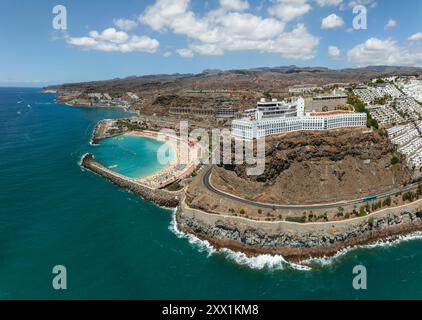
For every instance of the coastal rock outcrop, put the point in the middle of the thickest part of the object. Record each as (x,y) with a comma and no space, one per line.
(317,167)
(169,199)
(294,241)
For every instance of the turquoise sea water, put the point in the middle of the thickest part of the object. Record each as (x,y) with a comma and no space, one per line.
(115,245)
(132,156)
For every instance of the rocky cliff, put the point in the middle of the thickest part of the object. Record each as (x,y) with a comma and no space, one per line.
(318,167)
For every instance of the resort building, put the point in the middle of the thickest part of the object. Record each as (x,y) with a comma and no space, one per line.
(192,111)
(276,109)
(224,111)
(268,120)
(303,89)
(328,102)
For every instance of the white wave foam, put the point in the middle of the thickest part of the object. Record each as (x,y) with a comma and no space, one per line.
(277,262)
(201,245)
(388,242)
(264,261)
(82,159)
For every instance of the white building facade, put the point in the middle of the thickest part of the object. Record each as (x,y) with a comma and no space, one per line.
(249,128)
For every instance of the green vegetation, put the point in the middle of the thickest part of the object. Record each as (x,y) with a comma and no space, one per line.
(178,186)
(387,202)
(409,196)
(259,211)
(242,211)
(371,222)
(301,219)
(395,160)
(194,174)
(267,95)
(383,100)
(382,132)
(362,212)
(376,206)
(360,107)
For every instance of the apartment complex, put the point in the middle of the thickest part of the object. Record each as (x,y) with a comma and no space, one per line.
(268,121)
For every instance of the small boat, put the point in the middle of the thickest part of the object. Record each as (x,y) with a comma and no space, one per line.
(19,102)
(113,167)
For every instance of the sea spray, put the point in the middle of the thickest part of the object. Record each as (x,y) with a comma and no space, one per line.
(260,262)
(277,262)
(201,245)
(388,242)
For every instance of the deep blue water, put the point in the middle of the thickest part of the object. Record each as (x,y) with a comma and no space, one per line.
(115,245)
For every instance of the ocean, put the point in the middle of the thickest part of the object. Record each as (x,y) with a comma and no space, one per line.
(115,245)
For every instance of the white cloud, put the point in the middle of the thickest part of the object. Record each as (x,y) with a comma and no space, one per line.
(390,24)
(385,52)
(125,24)
(416,37)
(224,30)
(239,5)
(334,52)
(185,53)
(167,54)
(370,4)
(324,3)
(288,10)
(111,40)
(332,21)
(111,35)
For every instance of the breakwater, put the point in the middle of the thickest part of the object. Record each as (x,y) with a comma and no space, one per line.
(161,197)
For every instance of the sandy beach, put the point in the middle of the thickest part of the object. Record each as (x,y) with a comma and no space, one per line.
(181,166)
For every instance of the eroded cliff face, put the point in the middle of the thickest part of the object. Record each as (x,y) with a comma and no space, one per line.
(318,167)
(299,242)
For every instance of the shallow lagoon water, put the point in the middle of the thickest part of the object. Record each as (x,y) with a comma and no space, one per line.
(132,156)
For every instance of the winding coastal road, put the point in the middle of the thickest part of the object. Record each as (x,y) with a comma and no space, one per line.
(206,181)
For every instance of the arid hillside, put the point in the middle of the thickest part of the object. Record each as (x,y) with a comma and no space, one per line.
(317,167)
(158,93)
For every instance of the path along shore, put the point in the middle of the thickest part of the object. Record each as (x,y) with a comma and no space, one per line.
(294,241)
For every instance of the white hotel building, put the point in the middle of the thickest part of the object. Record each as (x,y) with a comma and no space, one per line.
(275,117)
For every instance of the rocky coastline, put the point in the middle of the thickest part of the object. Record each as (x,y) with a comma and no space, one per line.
(299,242)
(161,197)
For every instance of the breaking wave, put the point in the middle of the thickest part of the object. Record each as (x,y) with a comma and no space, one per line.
(277,262)
(261,262)
(388,242)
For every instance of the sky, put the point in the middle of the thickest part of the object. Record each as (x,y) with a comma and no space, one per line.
(84,40)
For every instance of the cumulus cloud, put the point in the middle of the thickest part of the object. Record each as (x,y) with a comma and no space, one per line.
(125,24)
(111,40)
(416,37)
(334,52)
(229,27)
(239,5)
(185,53)
(288,10)
(370,4)
(324,3)
(390,24)
(385,52)
(224,30)
(332,21)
